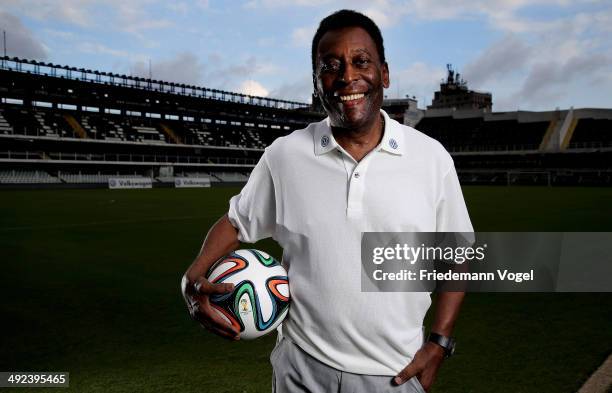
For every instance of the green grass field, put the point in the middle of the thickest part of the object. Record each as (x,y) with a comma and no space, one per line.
(90,285)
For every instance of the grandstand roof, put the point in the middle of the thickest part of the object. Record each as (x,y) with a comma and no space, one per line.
(102,77)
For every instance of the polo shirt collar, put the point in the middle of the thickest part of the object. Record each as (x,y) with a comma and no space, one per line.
(393,138)
(392,141)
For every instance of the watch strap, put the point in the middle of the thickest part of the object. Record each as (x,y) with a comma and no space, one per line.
(447,343)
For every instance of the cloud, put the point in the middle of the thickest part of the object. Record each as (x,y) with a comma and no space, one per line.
(129,16)
(302,36)
(499,14)
(549,64)
(253,88)
(226,76)
(502,57)
(457,9)
(557,76)
(419,80)
(275,4)
(99,49)
(381,17)
(185,68)
(299,90)
(266,42)
(384,12)
(20,41)
(63,35)
(184,8)
(538,63)
(74,12)
(502,15)
(138,25)
(132,17)
(180,7)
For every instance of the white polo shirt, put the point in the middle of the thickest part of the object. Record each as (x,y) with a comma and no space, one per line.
(315,200)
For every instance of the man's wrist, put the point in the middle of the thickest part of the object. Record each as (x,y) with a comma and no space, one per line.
(435,349)
(445,343)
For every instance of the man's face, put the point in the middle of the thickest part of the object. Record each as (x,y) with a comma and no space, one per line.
(349,77)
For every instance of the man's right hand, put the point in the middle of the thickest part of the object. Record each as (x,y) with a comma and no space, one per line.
(220,240)
(197,297)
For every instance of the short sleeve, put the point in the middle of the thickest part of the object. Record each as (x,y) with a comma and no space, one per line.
(451,212)
(253,211)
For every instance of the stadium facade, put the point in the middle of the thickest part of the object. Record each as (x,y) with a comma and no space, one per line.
(66,127)
(454,93)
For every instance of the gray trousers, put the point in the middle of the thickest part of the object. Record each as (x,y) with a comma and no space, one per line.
(294,371)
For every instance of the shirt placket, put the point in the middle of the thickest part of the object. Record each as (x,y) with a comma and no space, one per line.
(356,176)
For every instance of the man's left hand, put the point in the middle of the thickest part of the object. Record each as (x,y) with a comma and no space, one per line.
(424,366)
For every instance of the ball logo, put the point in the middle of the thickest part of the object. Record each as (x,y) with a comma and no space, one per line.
(393,143)
(113,183)
(244,306)
(324,141)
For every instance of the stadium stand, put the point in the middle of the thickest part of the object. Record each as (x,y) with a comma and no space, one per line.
(592,133)
(92,178)
(5,127)
(481,131)
(26,177)
(570,147)
(223,177)
(81,127)
(62,125)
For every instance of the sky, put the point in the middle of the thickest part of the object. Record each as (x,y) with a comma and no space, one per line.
(530,54)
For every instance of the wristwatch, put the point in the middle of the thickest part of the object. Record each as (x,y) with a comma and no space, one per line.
(447,343)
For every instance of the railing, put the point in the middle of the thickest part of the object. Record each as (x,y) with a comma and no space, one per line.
(191,141)
(135,158)
(80,74)
(484,148)
(549,177)
(39,131)
(589,145)
(190,138)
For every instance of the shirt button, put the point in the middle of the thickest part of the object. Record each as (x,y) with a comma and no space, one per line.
(356,175)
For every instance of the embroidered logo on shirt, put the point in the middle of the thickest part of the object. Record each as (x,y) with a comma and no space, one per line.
(393,143)
(324,141)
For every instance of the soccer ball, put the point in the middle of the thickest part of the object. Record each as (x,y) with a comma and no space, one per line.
(260,299)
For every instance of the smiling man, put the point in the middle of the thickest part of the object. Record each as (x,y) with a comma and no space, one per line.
(315,192)
(349,74)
